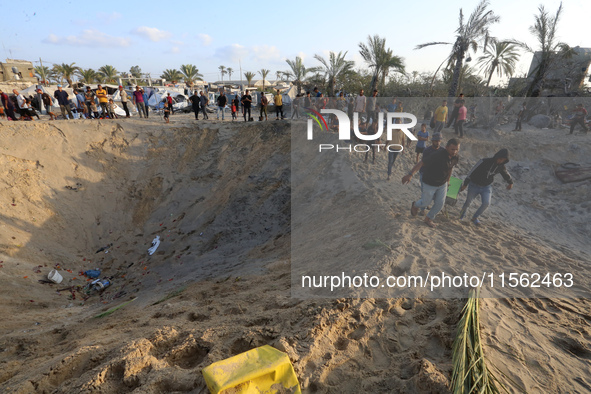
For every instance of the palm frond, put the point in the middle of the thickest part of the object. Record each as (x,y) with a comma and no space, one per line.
(421,46)
(470,371)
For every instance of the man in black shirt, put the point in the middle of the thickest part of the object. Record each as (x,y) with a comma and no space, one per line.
(195,101)
(246,101)
(479,182)
(437,171)
(222,101)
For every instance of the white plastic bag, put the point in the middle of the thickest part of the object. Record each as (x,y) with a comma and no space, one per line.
(155,244)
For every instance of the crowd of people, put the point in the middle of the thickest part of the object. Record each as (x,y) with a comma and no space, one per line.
(83,104)
(434,163)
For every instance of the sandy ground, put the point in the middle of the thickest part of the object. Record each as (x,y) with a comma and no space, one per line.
(218,194)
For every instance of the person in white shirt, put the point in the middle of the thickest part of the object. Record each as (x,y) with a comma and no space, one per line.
(360,102)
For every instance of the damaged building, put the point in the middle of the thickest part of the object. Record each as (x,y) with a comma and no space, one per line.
(13,70)
(565,76)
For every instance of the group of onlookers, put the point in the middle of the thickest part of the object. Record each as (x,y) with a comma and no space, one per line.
(83,104)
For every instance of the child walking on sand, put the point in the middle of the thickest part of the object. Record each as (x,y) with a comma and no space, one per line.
(166,112)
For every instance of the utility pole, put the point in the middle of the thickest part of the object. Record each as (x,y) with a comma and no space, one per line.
(240,64)
(44,76)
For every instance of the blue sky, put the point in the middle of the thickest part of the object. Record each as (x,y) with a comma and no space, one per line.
(162,35)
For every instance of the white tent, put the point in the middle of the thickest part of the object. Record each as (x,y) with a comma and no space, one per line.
(155,99)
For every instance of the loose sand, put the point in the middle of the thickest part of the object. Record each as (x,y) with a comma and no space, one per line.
(218,194)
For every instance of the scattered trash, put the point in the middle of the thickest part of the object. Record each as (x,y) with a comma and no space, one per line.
(155,244)
(78,185)
(92,273)
(101,284)
(104,248)
(55,276)
(264,369)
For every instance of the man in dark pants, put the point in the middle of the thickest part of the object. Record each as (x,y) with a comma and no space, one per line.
(438,169)
(454,113)
(194,99)
(264,103)
(479,182)
(278,99)
(204,101)
(88,101)
(520,117)
(246,102)
(62,100)
(8,106)
(169,101)
(435,146)
(124,100)
(580,116)
(221,101)
(371,107)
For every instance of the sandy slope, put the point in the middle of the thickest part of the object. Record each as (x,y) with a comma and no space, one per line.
(219,196)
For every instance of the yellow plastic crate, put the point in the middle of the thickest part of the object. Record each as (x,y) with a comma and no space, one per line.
(261,370)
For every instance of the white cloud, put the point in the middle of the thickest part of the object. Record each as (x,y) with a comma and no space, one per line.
(108,18)
(231,53)
(205,39)
(266,53)
(151,33)
(358,59)
(175,50)
(90,38)
(177,43)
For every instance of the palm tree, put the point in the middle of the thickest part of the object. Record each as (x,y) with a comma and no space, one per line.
(109,73)
(87,75)
(298,72)
(335,68)
(500,56)
(172,75)
(550,50)
(222,71)
(249,76)
(264,72)
(380,59)
(230,70)
(190,74)
(43,73)
(65,71)
(468,36)
(468,79)
(136,72)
